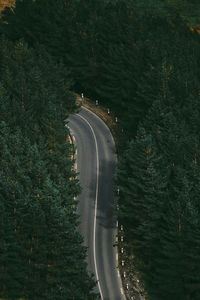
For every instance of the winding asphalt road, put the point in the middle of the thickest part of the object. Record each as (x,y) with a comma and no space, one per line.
(96,162)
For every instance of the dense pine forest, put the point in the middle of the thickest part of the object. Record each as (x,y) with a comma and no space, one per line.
(142,60)
(41,252)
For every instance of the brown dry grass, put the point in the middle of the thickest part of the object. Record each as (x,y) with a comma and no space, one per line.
(6,3)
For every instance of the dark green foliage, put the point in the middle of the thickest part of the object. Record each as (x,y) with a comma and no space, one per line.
(36,89)
(41,252)
(142,60)
(160,213)
(159,205)
(114,53)
(45,258)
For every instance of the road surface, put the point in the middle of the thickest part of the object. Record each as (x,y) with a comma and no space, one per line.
(96,162)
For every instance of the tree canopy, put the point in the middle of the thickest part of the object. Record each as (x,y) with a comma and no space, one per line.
(141,59)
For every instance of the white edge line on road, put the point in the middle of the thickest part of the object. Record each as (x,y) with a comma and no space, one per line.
(96,202)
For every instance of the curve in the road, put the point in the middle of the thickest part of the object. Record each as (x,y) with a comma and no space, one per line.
(96,162)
